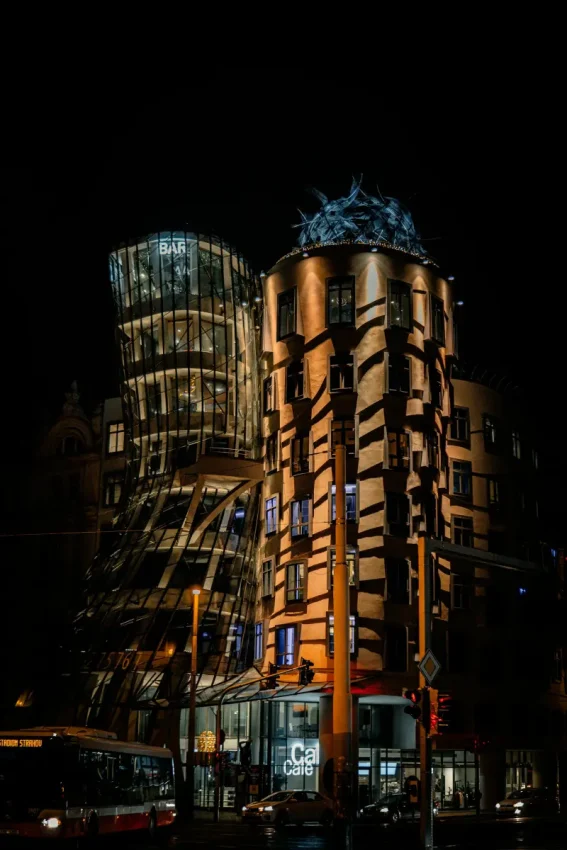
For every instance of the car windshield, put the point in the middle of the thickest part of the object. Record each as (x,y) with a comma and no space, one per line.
(278,797)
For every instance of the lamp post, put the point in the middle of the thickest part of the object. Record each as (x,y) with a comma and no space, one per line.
(192,706)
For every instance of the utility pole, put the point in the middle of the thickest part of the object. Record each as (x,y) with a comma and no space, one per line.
(425,756)
(342,699)
(190,768)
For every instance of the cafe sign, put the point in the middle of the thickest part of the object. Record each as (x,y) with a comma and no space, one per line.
(303,760)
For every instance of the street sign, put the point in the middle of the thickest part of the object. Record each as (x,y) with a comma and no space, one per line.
(429,667)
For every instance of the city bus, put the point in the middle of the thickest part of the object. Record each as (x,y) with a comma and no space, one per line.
(73,782)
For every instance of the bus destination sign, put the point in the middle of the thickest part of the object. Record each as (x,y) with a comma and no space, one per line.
(21,742)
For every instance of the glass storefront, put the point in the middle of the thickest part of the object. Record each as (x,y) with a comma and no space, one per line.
(295,746)
(519,770)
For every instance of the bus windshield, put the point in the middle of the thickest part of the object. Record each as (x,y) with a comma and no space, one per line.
(30,778)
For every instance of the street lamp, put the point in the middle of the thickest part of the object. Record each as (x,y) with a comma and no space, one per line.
(192,704)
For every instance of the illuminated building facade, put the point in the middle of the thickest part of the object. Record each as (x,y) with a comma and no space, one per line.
(187,325)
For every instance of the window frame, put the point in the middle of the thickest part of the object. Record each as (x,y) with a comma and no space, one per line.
(116,434)
(341,279)
(516,444)
(330,629)
(493,483)
(332,501)
(293,370)
(344,431)
(351,550)
(390,360)
(301,524)
(463,476)
(490,424)
(338,356)
(119,477)
(453,529)
(268,393)
(398,432)
(408,293)
(281,295)
(290,628)
(458,580)
(298,438)
(270,573)
(434,303)
(467,422)
(388,523)
(258,638)
(298,590)
(436,388)
(276,508)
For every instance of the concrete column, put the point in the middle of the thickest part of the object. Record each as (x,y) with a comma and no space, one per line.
(492,778)
(545,769)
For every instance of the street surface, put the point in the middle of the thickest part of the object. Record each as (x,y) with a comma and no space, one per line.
(453,833)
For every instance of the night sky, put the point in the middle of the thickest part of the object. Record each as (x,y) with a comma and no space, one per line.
(238,157)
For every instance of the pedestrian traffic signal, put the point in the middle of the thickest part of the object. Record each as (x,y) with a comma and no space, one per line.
(413,710)
(434,712)
(306,675)
(270,683)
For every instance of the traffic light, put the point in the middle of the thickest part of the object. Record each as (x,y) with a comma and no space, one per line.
(306,675)
(413,710)
(444,705)
(433,712)
(271,682)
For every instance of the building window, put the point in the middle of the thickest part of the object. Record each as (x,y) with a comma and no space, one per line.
(268,577)
(436,388)
(398,450)
(462,478)
(399,374)
(490,429)
(341,373)
(350,499)
(331,634)
(460,424)
(463,531)
(460,591)
(343,433)
(154,399)
(70,446)
(300,516)
(269,395)
(272,453)
(286,313)
(399,304)
(115,438)
(516,448)
(300,454)
(432,442)
(437,320)
(113,482)
(271,515)
(294,381)
(258,640)
(154,463)
(396,648)
(398,514)
(398,581)
(295,582)
(340,300)
(493,490)
(352,564)
(285,646)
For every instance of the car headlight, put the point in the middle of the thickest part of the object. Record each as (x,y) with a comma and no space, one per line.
(497,805)
(51,823)
(244,809)
(384,810)
(518,805)
(268,809)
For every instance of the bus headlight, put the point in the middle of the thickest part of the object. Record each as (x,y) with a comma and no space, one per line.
(51,823)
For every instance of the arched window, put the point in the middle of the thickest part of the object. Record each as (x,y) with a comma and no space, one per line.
(70,445)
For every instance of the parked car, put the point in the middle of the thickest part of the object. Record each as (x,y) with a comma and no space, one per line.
(528,801)
(285,807)
(391,809)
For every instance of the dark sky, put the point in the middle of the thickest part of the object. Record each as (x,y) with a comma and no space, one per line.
(237,154)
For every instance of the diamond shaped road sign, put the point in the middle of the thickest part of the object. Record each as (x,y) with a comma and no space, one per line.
(429,667)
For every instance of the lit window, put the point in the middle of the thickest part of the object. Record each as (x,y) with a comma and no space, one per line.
(295,581)
(398,514)
(340,300)
(462,478)
(397,581)
(399,304)
(268,577)
(398,374)
(285,646)
(350,499)
(516,448)
(343,433)
(115,438)
(271,515)
(300,454)
(463,531)
(258,640)
(341,373)
(460,425)
(331,634)
(398,450)
(300,510)
(286,313)
(113,482)
(437,320)
(153,399)
(352,564)
(294,385)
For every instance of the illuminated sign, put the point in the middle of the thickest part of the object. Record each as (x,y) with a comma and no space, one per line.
(172,247)
(21,742)
(302,761)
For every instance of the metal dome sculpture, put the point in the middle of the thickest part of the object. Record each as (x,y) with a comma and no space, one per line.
(359,217)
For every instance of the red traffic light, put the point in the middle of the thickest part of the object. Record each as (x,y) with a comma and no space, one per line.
(413,710)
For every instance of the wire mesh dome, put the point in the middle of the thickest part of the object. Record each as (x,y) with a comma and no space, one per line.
(359,217)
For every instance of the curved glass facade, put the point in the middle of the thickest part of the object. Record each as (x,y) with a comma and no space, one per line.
(187,328)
